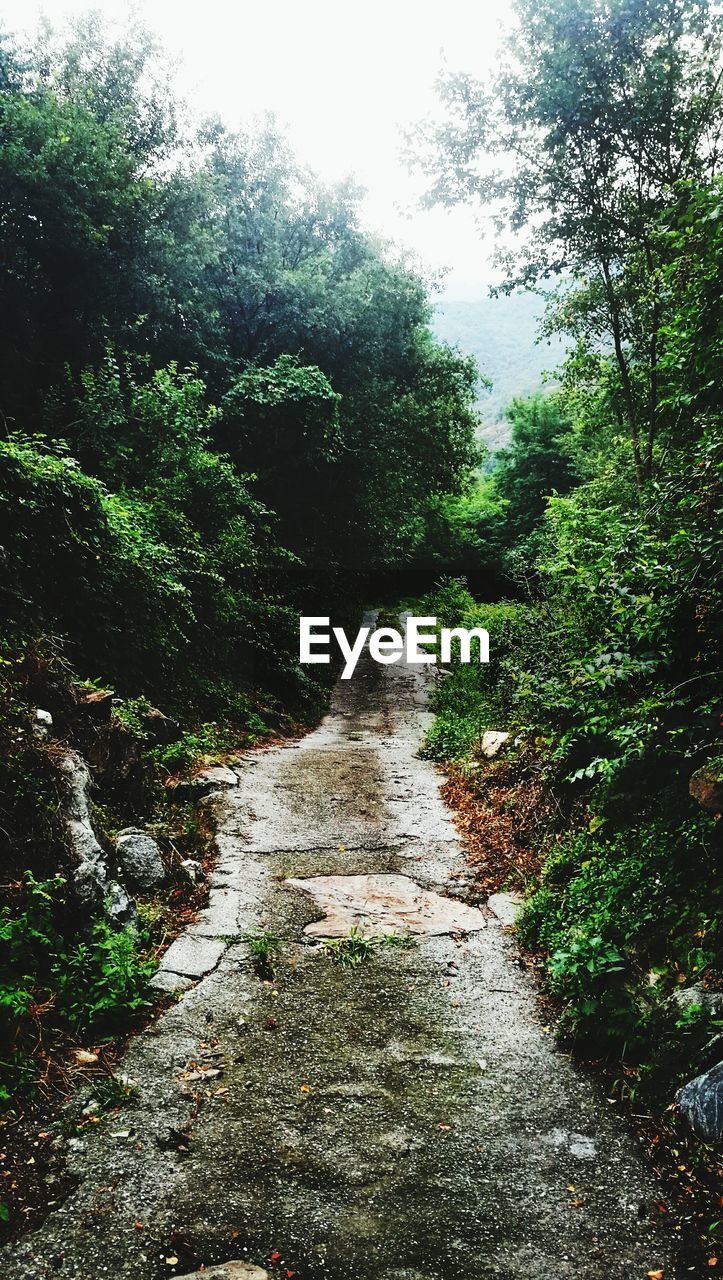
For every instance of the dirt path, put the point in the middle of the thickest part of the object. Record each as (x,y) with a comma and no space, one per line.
(409,1119)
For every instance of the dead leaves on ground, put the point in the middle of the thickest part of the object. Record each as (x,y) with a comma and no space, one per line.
(499,810)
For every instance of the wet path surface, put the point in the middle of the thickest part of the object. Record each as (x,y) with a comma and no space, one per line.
(407,1119)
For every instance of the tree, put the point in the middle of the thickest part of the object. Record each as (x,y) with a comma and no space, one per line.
(222,259)
(536,464)
(281,422)
(600,113)
(692,283)
(121,78)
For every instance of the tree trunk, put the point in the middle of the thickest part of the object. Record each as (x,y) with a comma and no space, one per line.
(627,386)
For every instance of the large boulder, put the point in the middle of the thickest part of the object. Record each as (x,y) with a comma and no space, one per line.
(140,859)
(698,997)
(701,1102)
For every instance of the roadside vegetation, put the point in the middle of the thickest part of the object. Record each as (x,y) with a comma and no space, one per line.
(603,518)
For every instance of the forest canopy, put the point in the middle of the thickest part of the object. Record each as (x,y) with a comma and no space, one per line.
(193,320)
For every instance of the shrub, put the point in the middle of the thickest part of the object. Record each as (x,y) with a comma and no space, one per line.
(103,982)
(92,982)
(475,697)
(171,588)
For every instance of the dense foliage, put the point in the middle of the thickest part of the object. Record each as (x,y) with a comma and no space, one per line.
(184,312)
(606,516)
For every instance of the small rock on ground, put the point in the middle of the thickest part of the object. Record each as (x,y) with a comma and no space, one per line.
(121,908)
(217,775)
(492,743)
(140,859)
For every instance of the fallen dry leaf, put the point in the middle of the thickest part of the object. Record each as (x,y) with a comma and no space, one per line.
(201,1075)
(655,1275)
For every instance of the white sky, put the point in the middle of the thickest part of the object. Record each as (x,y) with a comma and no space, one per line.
(342,78)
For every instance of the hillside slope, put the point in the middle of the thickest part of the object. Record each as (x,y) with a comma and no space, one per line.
(501,333)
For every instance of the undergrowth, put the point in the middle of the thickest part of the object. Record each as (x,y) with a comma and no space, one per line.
(91,981)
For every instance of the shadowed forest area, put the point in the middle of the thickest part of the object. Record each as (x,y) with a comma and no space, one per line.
(224,405)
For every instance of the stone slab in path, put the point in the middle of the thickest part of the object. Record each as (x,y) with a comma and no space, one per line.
(193,955)
(383,904)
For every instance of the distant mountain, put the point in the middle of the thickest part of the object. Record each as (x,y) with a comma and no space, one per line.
(501,334)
